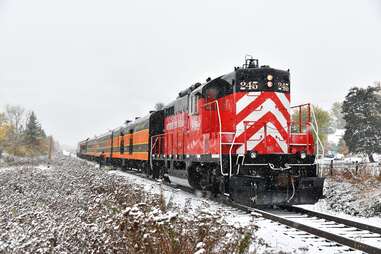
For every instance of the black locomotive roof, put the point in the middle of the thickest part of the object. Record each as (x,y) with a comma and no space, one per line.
(248,71)
(137,125)
(231,77)
(262,70)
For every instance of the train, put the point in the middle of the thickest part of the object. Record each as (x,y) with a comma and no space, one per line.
(235,135)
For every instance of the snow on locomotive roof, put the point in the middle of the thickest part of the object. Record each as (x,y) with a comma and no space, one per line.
(133,124)
(196,88)
(118,130)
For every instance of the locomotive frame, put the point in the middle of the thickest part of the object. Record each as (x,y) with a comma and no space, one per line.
(232,135)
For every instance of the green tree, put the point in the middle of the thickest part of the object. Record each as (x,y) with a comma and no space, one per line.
(337,116)
(33,132)
(19,139)
(362,113)
(35,139)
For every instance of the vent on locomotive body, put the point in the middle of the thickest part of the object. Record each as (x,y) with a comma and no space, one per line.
(262,109)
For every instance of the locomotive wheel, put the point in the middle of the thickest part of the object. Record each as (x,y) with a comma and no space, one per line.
(204,178)
(193,177)
(156,172)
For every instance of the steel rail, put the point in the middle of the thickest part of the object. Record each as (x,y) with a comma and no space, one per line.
(318,232)
(322,233)
(343,221)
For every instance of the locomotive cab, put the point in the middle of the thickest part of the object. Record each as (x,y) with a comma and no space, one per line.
(267,152)
(273,150)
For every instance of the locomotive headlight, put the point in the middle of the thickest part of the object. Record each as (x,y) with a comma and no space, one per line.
(253,155)
(269,77)
(269,84)
(303,155)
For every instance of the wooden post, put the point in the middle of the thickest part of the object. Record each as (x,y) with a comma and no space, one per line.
(50,148)
(331,168)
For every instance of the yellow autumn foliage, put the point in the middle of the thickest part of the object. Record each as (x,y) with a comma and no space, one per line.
(4,130)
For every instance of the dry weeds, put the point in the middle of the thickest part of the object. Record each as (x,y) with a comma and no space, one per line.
(72,207)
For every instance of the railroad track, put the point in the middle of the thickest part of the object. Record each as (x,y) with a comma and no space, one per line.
(345,232)
(341,234)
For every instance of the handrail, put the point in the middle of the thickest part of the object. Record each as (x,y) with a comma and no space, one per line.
(220,131)
(159,135)
(230,155)
(152,146)
(316,130)
(301,105)
(312,123)
(318,143)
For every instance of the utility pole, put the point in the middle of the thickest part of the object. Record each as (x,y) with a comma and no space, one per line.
(50,148)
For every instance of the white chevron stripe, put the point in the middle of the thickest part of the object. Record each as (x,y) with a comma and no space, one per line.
(243,102)
(286,103)
(240,150)
(274,132)
(254,140)
(267,106)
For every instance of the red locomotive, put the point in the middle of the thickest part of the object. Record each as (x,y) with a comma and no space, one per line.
(231,135)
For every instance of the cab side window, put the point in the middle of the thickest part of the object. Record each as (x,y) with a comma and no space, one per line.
(216,89)
(212,93)
(193,104)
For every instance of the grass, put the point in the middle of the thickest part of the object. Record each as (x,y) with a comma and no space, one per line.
(245,242)
(152,229)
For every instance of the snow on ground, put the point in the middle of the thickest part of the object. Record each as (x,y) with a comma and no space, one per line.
(322,207)
(358,200)
(270,236)
(71,206)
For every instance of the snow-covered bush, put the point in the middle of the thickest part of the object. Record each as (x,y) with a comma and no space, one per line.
(71,206)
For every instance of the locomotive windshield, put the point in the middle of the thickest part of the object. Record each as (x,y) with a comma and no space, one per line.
(264,79)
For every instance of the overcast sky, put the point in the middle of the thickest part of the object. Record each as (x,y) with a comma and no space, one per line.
(86,66)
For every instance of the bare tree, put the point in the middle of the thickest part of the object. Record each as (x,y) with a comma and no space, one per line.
(377,84)
(159,106)
(15,115)
(3,119)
